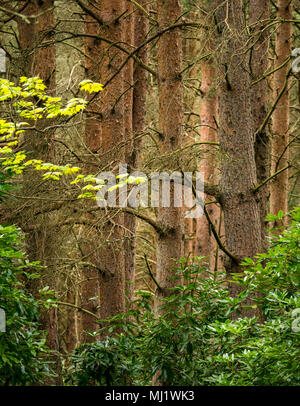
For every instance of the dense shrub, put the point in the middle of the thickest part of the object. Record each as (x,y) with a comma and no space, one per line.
(197,341)
(22,346)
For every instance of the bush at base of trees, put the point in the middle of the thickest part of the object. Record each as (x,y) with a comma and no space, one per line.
(197,340)
(23,353)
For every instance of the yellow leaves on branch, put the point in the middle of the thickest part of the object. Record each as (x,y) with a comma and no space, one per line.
(89,188)
(90,87)
(53,171)
(29,100)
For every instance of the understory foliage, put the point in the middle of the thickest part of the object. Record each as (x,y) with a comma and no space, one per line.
(198,340)
(23,353)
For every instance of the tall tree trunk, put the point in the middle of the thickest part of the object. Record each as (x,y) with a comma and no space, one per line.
(190,53)
(140,78)
(90,284)
(102,136)
(259,14)
(68,73)
(129,220)
(238,167)
(280,127)
(170,245)
(138,30)
(40,61)
(205,242)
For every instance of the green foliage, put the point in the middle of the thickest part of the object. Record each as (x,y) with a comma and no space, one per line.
(198,340)
(23,353)
(103,363)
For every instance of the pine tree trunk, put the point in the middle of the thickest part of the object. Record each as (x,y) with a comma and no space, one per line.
(140,78)
(89,246)
(205,243)
(138,30)
(238,167)
(129,220)
(170,245)
(42,243)
(102,135)
(280,125)
(190,53)
(259,14)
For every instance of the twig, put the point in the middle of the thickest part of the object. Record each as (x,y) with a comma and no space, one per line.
(270,178)
(214,231)
(89,11)
(265,122)
(216,235)
(143,10)
(271,72)
(151,274)
(148,220)
(15,13)
(78,308)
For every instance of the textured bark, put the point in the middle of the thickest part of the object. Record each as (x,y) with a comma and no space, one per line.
(70,334)
(68,74)
(238,167)
(138,27)
(190,52)
(189,238)
(129,220)
(89,288)
(140,78)
(26,38)
(170,245)
(90,285)
(104,134)
(40,61)
(259,12)
(280,125)
(205,243)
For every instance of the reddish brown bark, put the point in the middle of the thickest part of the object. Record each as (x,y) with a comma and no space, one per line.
(208,111)
(27,40)
(259,13)
(137,31)
(129,220)
(238,167)
(205,244)
(40,61)
(171,244)
(90,284)
(38,58)
(280,125)
(70,335)
(104,135)
(89,287)
(190,51)
(140,78)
